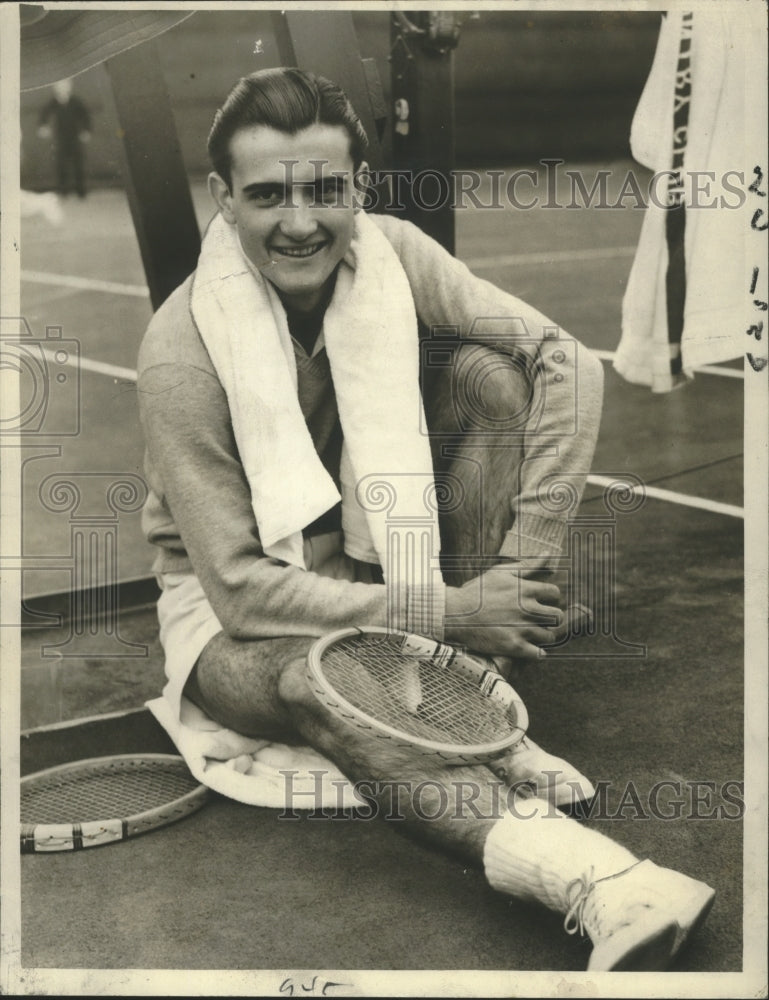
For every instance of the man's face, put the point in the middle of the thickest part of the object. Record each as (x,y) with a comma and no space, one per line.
(292,202)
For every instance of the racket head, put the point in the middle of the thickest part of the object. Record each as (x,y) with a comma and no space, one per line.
(103,800)
(411,691)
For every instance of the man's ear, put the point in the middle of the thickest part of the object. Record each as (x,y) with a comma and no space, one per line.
(220,192)
(361,185)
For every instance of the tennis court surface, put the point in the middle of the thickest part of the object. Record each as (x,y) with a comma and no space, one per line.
(659,700)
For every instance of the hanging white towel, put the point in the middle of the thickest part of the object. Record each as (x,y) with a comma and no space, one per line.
(723,139)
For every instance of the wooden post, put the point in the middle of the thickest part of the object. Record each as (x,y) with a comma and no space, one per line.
(155,177)
(325,43)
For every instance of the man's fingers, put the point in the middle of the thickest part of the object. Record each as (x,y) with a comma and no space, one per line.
(547,593)
(546,615)
(576,620)
(540,636)
(525,650)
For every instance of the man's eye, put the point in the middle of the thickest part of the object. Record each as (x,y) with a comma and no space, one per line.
(331,192)
(267,196)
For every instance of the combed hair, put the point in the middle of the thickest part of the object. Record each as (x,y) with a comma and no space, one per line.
(285,99)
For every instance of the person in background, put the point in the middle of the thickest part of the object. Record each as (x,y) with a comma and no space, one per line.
(67,121)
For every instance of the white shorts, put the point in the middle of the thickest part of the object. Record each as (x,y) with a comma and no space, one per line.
(258,772)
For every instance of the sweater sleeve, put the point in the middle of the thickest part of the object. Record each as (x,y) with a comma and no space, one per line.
(190,446)
(566,382)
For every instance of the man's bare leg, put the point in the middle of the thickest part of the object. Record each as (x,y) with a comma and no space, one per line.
(636,914)
(237,683)
(259,689)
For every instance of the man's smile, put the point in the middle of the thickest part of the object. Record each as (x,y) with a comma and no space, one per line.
(300,252)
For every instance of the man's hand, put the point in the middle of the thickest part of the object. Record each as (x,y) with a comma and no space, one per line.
(502,613)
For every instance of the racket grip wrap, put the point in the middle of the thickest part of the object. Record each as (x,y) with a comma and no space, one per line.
(492,684)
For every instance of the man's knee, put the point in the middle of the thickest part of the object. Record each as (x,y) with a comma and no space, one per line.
(314,721)
(494,390)
(294,689)
(238,683)
(484,390)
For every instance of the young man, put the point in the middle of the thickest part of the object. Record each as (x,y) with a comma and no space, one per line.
(278,385)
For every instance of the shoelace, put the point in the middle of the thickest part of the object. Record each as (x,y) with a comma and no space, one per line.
(577,893)
(580,888)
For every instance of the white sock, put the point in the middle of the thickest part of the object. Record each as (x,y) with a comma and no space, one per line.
(538,852)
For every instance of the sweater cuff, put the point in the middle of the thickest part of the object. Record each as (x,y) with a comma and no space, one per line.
(534,539)
(425,610)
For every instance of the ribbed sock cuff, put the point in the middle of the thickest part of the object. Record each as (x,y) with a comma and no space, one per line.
(536,857)
(514,864)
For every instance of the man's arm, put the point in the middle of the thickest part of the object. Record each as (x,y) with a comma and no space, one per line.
(567,383)
(189,440)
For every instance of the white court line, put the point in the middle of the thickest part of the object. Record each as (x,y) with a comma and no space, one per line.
(85,284)
(499,260)
(705,370)
(127,374)
(717,370)
(100,367)
(558,256)
(82,720)
(141,291)
(549,257)
(671,496)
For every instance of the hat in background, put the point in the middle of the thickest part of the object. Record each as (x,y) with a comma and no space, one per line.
(56,44)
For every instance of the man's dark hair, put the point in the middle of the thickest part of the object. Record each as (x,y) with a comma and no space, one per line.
(285,99)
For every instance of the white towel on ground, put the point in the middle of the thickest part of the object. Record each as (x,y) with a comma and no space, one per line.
(256,772)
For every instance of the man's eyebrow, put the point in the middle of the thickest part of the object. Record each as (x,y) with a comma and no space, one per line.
(273,189)
(264,187)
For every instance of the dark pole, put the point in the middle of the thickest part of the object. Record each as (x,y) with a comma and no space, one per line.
(155,176)
(423,126)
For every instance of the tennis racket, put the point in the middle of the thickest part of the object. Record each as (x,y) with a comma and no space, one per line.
(105,799)
(414,692)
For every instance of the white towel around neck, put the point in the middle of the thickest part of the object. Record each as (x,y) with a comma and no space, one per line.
(370,333)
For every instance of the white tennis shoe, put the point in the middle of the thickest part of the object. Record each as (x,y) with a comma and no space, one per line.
(637,919)
(531,771)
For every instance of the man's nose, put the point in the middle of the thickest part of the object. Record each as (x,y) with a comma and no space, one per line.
(299,222)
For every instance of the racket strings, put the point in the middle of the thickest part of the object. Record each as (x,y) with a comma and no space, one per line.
(413,694)
(116,790)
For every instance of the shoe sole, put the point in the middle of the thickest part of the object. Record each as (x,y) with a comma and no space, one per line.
(637,948)
(654,947)
(694,917)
